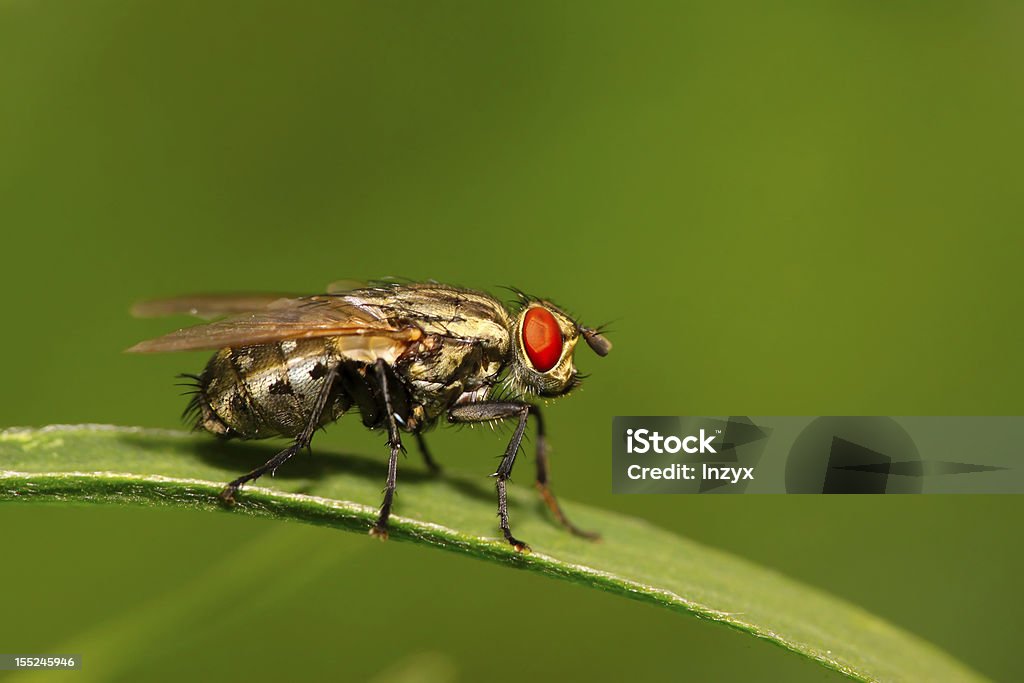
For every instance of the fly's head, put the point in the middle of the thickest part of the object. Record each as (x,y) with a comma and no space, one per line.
(544,338)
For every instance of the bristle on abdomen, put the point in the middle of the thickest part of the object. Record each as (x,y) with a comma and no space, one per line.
(198,414)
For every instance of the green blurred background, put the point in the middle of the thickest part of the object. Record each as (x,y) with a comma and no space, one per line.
(813,208)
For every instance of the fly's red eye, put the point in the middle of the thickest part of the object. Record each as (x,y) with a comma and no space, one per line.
(542,338)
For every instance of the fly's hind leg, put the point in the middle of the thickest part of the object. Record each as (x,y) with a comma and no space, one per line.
(542,483)
(301,441)
(425,452)
(380,527)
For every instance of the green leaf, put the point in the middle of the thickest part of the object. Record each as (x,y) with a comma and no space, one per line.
(104,464)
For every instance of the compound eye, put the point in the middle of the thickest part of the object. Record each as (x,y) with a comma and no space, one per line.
(542,338)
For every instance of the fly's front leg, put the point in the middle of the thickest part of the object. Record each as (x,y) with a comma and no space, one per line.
(500,410)
(542,482)
(301,441)
(380,527)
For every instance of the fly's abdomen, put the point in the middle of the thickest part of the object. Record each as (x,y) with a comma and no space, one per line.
(266,390)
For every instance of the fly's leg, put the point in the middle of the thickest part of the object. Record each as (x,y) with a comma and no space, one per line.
(542,482)
(499,410)
(425,452)
(380,527)
(301,441)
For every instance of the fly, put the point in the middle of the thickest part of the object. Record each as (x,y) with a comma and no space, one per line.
(404,355)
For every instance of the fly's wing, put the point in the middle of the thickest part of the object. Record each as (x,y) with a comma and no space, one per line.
(301,318)
(207,306)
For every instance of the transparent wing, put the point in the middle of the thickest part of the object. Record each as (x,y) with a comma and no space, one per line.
(301,318)
(207,305)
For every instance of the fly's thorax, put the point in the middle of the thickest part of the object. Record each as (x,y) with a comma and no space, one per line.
(441,311)
(267,389)
(465,343)
(440,369)
(463,334)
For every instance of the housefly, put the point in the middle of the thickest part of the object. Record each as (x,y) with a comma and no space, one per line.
(404,355)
